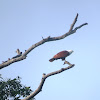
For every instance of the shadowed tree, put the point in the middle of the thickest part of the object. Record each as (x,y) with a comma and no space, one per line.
(12,89)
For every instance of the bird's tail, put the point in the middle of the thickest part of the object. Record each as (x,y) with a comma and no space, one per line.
(52,59)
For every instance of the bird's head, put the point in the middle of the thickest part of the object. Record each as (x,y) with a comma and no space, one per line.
(70,51)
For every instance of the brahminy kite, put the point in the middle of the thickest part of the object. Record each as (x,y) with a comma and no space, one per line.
(61,55)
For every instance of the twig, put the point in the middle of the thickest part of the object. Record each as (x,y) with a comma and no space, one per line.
(45,76)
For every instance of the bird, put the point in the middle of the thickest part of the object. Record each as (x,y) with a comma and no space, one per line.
(61,55)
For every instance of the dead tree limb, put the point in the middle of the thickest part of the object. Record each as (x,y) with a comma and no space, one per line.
(44,77)
(23,56)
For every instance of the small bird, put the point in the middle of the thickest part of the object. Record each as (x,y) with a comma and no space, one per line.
(61,55)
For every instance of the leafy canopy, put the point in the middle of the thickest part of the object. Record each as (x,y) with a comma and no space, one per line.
(12,88)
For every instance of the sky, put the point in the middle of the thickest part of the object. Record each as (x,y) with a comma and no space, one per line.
(24,23)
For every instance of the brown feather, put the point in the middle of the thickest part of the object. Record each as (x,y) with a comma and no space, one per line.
(52,59)
(61,55)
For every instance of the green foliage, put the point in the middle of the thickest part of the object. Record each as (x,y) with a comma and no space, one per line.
(12,88)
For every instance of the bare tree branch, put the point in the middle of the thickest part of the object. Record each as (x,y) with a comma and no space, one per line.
(74,22)
(39,89)
(23,56)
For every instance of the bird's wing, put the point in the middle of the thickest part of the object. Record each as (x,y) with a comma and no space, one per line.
(61,54)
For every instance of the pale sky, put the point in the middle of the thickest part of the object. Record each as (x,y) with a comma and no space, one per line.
(24,23)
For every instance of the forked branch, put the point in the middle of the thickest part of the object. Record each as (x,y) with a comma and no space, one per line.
(23,56)
(44,77)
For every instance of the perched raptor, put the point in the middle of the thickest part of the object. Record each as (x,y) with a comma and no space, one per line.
(61,55)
